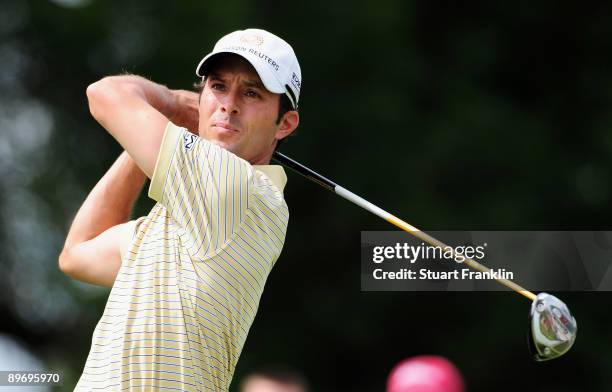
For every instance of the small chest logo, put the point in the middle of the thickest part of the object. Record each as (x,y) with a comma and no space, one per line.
(189,140)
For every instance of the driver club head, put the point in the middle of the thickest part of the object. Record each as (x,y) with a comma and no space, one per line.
(552,328)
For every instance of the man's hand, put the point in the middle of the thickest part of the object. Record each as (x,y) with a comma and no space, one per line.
(186,110)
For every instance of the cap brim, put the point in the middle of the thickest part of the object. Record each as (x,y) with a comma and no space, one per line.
(265,73)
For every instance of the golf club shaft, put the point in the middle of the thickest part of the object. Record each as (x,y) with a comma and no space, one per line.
(326,183)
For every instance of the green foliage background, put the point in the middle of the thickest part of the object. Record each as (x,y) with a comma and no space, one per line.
(454,116)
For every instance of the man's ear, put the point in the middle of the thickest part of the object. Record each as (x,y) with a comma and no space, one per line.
(288,124)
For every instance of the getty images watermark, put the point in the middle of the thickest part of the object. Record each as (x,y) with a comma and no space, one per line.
(413,253)
(539,261)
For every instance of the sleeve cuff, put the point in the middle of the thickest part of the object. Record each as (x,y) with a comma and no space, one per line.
(128,231)
(127,234)
(172,135)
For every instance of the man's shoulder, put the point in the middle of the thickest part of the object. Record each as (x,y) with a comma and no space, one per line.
(271,175)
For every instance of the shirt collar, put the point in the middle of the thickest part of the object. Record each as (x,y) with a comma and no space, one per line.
(275,173)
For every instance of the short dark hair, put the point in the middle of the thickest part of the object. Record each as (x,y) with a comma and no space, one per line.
(284,106)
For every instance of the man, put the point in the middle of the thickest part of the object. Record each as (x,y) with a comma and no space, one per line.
(277,379)
(186,279)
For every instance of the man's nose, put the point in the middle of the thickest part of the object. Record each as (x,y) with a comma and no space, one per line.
(230,104)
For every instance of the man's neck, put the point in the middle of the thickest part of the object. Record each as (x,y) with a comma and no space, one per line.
(264,158)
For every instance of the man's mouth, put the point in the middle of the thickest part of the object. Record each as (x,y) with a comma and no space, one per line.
(224,127)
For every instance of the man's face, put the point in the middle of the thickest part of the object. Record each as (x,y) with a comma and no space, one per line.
(238,113)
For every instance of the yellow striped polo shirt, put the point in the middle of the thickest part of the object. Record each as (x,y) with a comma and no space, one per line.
(192,272)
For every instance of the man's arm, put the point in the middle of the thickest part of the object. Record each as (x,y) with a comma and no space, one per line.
(135,111)
(91,252)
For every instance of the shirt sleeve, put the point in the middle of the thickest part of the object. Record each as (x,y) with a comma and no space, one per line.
(203,187)
(128,232)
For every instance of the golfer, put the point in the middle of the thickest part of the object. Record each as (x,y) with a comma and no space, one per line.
(187,278)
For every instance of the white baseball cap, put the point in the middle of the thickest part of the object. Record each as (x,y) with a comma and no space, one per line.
(272,58)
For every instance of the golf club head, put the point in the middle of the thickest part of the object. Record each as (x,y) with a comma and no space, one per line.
(552,328)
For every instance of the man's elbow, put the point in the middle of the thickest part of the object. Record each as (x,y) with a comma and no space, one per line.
(99,97)
(107,93)
(66,263)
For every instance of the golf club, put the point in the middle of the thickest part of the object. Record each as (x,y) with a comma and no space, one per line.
(552,327)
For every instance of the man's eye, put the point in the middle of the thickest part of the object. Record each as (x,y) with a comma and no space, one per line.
(218,86)
(251,93)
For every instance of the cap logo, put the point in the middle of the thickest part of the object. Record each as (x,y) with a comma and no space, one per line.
(251,39)
(296,82)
